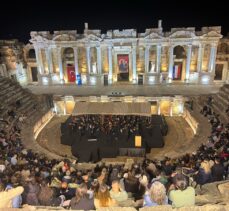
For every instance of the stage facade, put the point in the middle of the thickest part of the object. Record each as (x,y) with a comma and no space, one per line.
(126,57)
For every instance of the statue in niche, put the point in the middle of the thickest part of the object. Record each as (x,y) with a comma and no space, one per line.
(151,67)
(94,68)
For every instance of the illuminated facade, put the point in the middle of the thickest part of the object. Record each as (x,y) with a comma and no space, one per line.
(12,62)
(182,55)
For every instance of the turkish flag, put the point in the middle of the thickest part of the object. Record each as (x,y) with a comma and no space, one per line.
(71,73)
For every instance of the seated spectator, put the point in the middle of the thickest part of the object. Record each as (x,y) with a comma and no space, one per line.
(156,195)
(46,195)
(13,160)
(203,175)
(117,193)
(102,178)
(217,170)
(31,192)
(7,196)
(180,193)
(86,179)
(66,191)
(67,178)
(131,184)
(82,200)
(103,198)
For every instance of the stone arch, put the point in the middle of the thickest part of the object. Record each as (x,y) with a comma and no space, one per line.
(179,52)
(31,54)
(68,62)
(64,37)
(179,63)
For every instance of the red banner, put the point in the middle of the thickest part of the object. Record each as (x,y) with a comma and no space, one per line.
(71,73)
(123,63)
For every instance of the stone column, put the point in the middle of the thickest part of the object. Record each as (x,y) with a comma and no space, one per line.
(188,62)
(200,57)
(48,52)
(99,60)
(110,62)
(59,56)
(147,58)
(158,67)
(158,107)
(211,64)
(171,62)
(134,68)
(76,61)
(88,51)
(39,64)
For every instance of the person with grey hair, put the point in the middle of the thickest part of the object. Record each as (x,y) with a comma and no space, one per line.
(180,193)
(156,195)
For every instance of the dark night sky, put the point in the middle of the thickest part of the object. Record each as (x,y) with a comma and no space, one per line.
(18,19)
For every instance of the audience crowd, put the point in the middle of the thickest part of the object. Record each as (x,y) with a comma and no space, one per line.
(32,179)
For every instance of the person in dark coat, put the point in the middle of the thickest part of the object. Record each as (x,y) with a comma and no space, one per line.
(82,200)
(203,175)
(217,170)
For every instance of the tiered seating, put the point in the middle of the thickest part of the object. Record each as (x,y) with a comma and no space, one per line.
(10,93)
(221,102)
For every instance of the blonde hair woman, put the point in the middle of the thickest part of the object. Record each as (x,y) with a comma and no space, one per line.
(102,198)
(204,173)
(205,165)
(156,195)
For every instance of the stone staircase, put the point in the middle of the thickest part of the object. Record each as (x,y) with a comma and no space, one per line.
(220,102)
(30,104)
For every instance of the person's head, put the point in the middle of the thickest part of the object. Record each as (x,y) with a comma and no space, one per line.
(64,185)
(104,171)
(115,186)
(68,173)
(81,191)
(205,166)
(158,193)
(217,160)
(85,177)
(180,182)
(44,183)
(103,195)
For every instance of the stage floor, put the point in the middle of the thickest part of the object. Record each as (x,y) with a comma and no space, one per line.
(177,141)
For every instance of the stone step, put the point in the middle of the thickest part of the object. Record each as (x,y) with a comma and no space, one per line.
(224,95)
(225,89)
(223,116)
(221,102)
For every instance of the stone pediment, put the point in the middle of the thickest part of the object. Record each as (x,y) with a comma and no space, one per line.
(124,33)
(64,37)
(182,34)
(38,39)
(212,34)
(91,37)
(153,35)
